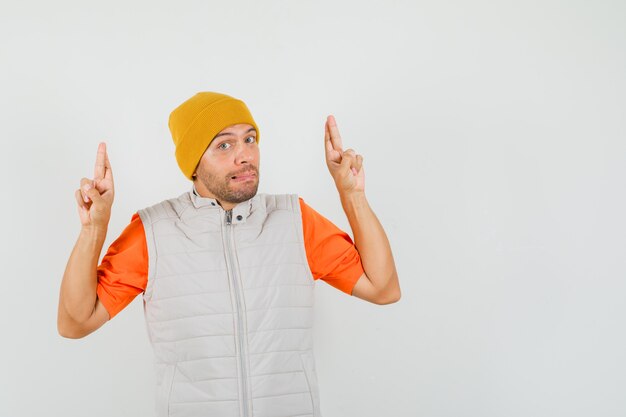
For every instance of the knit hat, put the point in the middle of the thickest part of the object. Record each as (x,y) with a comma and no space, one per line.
(198,120)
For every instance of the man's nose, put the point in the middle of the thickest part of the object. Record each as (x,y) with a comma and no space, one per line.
(244,154)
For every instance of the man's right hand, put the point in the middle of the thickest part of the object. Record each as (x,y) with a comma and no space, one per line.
(95,197)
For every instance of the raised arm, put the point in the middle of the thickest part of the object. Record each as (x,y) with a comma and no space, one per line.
(80,312)
(379,284)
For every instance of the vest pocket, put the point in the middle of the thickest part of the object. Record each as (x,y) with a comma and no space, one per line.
(308,365)
(165,390)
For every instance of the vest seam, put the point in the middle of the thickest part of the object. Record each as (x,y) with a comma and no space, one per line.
(299,371)
(297,242)
(207,358)
(218,270)
(190,381)
(278,264)
(191,294)
(194,337)
(201,402)
(281,395)
(279,307)
(190,273)
(281,329)
(188,317)
(279,285)
(278,351)
(198,359)
(227,313)
(191,234)
(239,226)
(192,252)
(232,356)
(256,398)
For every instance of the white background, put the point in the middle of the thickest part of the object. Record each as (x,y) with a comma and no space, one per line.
(493,136)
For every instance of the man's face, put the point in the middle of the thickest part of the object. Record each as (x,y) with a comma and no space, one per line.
(229,168)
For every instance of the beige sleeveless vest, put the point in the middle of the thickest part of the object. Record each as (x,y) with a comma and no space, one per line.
(229,308)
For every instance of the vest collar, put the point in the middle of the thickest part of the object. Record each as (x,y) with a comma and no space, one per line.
(240,212)
(199,201)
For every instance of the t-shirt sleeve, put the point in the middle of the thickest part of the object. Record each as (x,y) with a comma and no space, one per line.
(123,272)
(330,252)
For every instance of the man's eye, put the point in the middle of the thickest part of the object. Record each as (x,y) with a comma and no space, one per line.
(251,137)
(223,145)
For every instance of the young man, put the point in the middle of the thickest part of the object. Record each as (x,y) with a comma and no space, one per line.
(227,275)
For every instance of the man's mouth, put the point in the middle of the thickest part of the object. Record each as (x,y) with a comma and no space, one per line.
(244,176)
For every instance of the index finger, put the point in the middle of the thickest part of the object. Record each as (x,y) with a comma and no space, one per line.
(98,172)
(108,173)
(335,137)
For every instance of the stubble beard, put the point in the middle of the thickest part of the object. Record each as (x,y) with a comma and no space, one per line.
(221,188)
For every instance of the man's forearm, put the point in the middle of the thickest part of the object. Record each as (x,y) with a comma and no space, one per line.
(78,288)
(371,242)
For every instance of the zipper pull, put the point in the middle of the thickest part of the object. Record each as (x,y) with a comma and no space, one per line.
(229,217)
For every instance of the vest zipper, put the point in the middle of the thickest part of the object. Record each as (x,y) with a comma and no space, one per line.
(230,259)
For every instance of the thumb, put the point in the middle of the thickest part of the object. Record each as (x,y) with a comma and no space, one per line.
(347,159)
(93,194)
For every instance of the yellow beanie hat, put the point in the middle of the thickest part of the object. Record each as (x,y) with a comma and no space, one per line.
(198,120)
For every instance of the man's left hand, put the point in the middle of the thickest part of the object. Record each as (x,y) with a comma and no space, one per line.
(346,167)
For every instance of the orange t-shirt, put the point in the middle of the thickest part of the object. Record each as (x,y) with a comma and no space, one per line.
(123,272)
